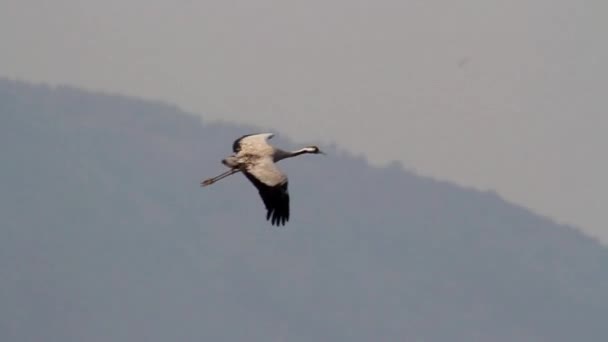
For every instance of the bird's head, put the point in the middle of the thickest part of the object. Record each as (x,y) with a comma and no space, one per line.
(313,149)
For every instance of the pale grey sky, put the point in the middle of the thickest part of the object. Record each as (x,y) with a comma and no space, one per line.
(504,95)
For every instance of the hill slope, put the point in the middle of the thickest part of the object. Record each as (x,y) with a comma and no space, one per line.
(106,236)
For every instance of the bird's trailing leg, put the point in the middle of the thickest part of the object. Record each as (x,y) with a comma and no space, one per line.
(216,178)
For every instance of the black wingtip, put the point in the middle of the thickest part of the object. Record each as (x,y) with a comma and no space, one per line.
(277,218)
(275,198)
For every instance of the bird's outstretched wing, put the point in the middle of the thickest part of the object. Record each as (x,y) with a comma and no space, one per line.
(272,186)
(258,142)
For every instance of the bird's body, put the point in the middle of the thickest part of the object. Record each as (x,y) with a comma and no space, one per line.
(256,158)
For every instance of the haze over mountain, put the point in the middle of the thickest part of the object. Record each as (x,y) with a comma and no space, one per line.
(106,236)
(496,95)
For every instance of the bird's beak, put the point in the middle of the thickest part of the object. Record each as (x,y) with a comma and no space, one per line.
(323,153)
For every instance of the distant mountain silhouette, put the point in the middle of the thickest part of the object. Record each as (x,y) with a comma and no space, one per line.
(106,236)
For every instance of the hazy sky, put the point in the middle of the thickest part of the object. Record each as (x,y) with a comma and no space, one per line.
(504,95)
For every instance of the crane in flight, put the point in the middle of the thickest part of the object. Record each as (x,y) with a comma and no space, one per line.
(256,159)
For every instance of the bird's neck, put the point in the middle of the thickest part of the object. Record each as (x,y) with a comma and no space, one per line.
(280,154)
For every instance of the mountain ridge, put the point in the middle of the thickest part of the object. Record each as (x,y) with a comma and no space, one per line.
(107,236)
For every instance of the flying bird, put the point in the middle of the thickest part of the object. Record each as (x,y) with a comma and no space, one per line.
(256,159)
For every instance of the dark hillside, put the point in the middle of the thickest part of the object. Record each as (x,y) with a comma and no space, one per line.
(106,236)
